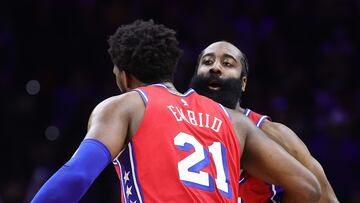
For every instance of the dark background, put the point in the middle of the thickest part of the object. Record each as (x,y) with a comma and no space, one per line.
(303,58)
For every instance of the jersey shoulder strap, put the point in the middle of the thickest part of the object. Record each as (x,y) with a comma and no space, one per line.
(256,118)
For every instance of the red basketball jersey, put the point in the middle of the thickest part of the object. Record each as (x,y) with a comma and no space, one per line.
(251,189)
(185,150)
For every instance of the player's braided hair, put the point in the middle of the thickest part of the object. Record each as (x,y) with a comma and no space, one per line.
(146,50)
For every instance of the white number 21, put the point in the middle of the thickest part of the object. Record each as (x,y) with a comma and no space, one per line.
(190,167)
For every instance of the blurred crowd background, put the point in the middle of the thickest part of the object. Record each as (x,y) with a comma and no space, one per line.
(54,69)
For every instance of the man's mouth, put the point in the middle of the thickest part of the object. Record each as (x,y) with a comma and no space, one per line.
(214,85)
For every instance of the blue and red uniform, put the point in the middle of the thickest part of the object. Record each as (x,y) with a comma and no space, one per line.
(185,150)
(251,189)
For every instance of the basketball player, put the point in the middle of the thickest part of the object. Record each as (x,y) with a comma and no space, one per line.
(222,75)
(167,146)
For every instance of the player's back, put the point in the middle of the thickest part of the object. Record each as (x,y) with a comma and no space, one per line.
(185,150)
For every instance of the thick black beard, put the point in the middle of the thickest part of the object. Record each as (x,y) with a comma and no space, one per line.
(230,89)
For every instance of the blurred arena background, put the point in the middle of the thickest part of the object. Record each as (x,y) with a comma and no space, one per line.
(54,69)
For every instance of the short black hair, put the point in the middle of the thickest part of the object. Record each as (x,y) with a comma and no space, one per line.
(146,50)
(245,65)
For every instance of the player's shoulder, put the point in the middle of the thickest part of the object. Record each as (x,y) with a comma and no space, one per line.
(276,126)
(280,132)
(238,118)
(127,102)
(242,125)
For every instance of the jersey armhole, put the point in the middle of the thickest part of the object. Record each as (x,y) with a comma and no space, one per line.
(143,95)
(247,112)
(261,120)
(225,111)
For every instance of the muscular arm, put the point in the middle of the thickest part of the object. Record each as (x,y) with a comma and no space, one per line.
(265,159)
(109,122)
(295,147)
(108,131)
(115,120)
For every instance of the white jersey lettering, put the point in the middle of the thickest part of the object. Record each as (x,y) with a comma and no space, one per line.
(196,118)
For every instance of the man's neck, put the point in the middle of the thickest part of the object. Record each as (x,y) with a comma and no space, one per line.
(238,107)
(170,86)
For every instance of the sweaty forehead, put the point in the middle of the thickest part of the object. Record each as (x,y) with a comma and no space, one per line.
(221,49)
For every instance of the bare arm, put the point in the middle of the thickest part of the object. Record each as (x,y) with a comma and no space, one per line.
(110,126)
(115,120)
(102,125)
(285,137)
(268,161)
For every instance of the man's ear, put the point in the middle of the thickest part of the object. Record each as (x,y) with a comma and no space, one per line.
(130,81)
(124,81)
(243,83)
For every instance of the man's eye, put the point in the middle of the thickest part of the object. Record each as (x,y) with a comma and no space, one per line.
(227,64)
(207,62)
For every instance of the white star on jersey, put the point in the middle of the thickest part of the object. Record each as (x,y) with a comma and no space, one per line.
(126,176)
(128,191)
(132,201)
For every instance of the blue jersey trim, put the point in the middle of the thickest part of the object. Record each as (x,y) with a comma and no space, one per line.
(116,162)
(131,188)
(225,110)
(226,170)
(261,120)
(187,93)
(242,176)
(143,95)
(247,112)
(134,170)
(276,192)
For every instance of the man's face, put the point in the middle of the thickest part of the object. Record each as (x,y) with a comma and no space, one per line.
(218,74)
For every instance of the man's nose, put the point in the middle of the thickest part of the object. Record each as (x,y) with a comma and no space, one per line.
(216,69)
